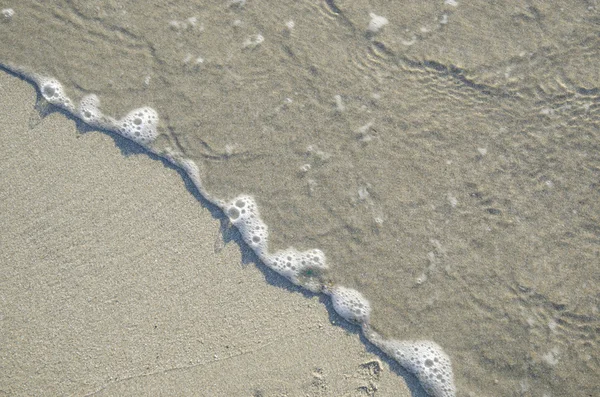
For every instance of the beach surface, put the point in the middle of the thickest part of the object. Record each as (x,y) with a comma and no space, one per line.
(110,287)
(444,157)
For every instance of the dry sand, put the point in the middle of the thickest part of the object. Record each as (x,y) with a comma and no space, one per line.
(115,280)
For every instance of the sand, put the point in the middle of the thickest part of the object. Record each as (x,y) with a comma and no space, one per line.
(118,280)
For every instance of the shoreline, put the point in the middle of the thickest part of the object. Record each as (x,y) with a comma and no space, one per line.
(139,301)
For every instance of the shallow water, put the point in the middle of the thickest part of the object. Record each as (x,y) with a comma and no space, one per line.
(448,165)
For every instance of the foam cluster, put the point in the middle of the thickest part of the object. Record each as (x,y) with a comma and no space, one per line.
(376,23)
(350,304)
(89,111)
(53,91)
(426,359)
(140,125)
(7,13)
(243,214)
(302,268)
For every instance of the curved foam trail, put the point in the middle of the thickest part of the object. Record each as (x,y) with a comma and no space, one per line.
(307,269)
(423,358)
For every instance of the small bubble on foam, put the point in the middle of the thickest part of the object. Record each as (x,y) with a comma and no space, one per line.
(139,125)
(175,25)
(253,41)
(192,21)
(180,26)
(376,23)
(339,104)
(421,279)
(452,200)
(7,14)
(53,92)
(305,168)
(350,304)
(363,193)
(552,356)
(363,133)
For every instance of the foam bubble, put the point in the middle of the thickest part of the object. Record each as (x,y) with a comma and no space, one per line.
(89,111)
(243,213)
(253,41)
(7,13)
(339,104)
(139,125)
(301,268)
(53,91)
(350,304)
(426,359)
(376,23)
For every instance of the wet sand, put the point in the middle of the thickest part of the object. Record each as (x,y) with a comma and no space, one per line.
(111,288)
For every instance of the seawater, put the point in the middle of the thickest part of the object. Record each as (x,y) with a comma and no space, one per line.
(448,165)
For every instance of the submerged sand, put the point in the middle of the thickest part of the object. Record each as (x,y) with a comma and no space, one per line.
(112,288)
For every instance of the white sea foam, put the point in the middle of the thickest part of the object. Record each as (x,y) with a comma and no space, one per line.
(376,23)
(7,13)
